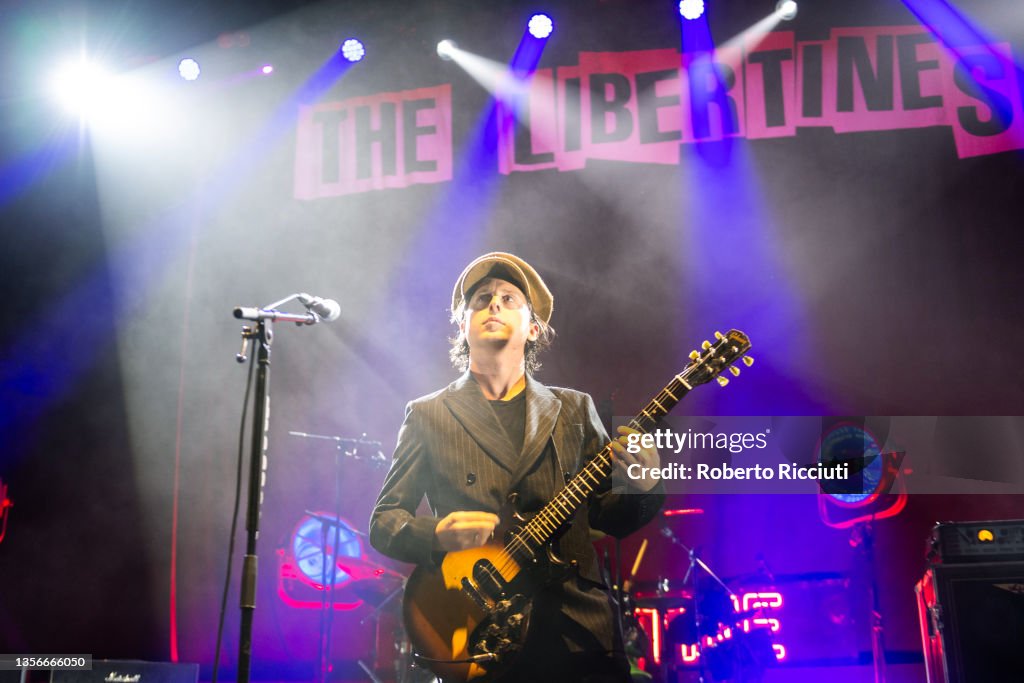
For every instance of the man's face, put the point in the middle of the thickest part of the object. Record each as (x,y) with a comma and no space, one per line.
(498,316)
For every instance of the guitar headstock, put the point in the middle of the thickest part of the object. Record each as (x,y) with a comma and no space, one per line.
(709,363)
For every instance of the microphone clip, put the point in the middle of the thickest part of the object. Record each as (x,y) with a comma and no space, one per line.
(317,309)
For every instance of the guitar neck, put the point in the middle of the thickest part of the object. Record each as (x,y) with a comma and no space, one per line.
(552,516)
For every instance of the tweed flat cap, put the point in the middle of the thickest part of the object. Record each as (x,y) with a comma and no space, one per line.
(507,267)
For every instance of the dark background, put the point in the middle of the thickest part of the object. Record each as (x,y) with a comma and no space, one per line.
(876,273)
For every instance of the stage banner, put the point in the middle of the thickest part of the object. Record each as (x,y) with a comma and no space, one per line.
(387,140)
(640,106)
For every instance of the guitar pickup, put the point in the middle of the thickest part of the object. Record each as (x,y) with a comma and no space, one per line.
(488,580)
(469,589)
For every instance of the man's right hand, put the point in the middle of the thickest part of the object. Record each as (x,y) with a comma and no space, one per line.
(461,530)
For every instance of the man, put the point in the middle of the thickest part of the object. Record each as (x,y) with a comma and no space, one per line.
(497,430)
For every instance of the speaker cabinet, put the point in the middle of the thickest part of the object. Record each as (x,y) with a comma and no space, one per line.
(972,622)
(130,671)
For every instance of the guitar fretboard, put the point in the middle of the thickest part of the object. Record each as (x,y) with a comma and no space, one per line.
(552,516)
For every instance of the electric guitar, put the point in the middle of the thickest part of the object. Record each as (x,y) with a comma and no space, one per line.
(468,618)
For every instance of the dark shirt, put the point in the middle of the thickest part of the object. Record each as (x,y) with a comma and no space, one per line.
(512,415)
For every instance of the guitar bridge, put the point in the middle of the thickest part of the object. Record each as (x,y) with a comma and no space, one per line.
(503,632)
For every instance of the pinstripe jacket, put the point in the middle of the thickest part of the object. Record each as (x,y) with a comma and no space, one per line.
(453,449)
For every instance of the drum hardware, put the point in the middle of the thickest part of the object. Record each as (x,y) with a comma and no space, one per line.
(361,570)
(708,608)
(349,447)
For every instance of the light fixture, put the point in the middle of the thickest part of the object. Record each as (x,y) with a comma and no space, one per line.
(313,548)
(352,50)
(540,26)
(82,87)
(188,69)
(786,9)
(446,48)
(691,9)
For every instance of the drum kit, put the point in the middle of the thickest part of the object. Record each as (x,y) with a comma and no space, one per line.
(695,626)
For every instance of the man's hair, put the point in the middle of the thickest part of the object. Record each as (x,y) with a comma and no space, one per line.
(459,353)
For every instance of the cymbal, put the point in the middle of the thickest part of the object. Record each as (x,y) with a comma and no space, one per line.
(662,593)
(376,591)
(370,582)
(362,569)
(665,602)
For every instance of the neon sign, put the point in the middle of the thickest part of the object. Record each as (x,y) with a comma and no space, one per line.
(767,605)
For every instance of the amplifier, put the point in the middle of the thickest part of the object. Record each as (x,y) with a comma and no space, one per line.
(972,622)
(130,671)
(962,542)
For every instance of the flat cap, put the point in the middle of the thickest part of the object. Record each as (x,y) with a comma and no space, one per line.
(507,267)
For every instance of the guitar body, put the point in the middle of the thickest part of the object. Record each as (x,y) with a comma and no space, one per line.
(469,607)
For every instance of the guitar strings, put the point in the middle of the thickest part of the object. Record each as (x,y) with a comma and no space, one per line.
(551,517)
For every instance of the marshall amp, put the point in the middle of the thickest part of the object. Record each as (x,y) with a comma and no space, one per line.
(971,603)
(130,671)
(967,542)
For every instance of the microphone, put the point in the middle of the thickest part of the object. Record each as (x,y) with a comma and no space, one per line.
(327,309)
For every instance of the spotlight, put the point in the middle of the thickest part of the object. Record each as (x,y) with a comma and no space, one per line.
(691,9)
(446,48)
(96,96)
(188,69)
(786,9)
(540,26)
(352,50)
(81,87)
(267,69)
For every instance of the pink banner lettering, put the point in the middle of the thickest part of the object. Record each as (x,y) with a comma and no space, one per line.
(388,140)
(639,106)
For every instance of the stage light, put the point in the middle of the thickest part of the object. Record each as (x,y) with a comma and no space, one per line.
(540,26)
(98,97)
(81,87)
(188,69)
(267,69)
(691,9)
(786,9)
(446,48)
(352,50)
(312,546)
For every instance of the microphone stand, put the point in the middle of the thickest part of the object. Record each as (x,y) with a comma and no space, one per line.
(263,337)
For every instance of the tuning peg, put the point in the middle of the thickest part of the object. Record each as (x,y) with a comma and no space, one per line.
(734,370)
(719,335)
(722,381)
(748,360)
(694,355)
(705,345)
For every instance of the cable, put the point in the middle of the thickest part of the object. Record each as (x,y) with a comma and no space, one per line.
(234,519)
